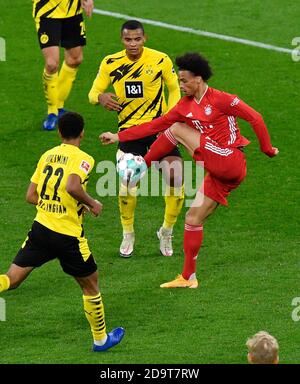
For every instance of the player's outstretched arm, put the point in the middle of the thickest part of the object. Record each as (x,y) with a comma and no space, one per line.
(108,138)
(87,6)
(74,188)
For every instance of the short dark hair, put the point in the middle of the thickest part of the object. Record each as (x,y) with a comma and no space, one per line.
(194,63)
(132,24)
(70,125)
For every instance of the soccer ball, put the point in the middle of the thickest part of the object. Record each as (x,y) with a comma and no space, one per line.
(131,168)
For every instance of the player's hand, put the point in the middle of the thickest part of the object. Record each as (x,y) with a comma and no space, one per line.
(96,208)
(273,153)
(108,138)
(87,6)
(86,209)
(107,100)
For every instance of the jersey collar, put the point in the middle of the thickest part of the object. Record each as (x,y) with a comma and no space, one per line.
(198,102)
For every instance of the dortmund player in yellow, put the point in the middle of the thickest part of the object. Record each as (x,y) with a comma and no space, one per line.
(139,75)
(58,189)
(60,23)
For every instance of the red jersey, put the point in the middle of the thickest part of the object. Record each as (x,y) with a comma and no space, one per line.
(214,116)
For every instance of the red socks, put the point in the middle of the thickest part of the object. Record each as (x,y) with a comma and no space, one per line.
(161,147)
(193,236)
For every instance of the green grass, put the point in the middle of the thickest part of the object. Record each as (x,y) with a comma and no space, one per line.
(248,267)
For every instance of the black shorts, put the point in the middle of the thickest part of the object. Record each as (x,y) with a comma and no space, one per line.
(141,147)
(67,33)
(43,245)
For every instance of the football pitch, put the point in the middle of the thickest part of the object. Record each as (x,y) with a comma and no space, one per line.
(248,267)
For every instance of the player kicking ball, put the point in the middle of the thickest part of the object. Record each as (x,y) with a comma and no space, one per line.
(204,121)
(58,189)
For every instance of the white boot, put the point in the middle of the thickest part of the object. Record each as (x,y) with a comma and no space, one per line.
(165,239)
(126,248)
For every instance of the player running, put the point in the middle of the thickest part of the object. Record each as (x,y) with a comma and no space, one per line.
(60,23)
(58,189)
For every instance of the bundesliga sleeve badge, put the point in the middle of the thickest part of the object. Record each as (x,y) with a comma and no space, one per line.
(85,167)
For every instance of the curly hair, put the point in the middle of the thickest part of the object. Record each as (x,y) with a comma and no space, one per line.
(195,63)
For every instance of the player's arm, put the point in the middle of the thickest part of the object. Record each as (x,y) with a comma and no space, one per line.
(232,105)
(143,130)
(97,93)
(174,94)
(74,188)
(87,6)
(32,196)
(171,80)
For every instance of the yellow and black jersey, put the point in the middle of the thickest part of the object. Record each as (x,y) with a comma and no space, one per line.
(56,9)
(56,208)
(139,85)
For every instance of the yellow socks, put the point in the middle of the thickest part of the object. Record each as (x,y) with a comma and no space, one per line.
(50,83)
(174,198)
(57,87)
(94,312)
(4,283)
(127,204)
(66,78)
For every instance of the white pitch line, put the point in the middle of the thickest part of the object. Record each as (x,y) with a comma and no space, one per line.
(194,31)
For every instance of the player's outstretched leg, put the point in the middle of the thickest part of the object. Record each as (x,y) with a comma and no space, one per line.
(94,312)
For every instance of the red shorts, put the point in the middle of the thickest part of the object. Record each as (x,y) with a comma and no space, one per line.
(226,169)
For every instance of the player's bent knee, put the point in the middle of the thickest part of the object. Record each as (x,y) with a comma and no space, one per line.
(175,128)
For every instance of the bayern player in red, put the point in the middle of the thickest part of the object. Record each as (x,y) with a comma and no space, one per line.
(204,121)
